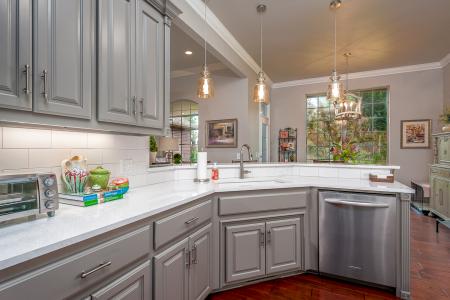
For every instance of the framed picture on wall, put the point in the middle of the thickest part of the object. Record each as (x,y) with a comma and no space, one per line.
(415,134)
(221,133)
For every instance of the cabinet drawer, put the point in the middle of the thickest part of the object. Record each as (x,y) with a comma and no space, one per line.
(78,272)
(168,228)
(239,204)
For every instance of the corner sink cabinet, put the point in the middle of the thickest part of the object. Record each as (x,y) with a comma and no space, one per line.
(71,66)
(213,243)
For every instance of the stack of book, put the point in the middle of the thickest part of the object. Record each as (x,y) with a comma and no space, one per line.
(90,199)
(79,199)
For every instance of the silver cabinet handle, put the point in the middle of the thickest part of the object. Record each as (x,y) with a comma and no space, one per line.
(133,100)
(98,268)
(44,77)
(27,89)
(269,236)
(188,258)
(194,254)
(191,220)
(261,238)
(354,203)
(142,106)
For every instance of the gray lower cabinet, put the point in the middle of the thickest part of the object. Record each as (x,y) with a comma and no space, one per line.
(63,57)
(183,271)
(134,285)
(245,251)
(283,242)
(130,63)
(440,197)
(258,249)
(16,54)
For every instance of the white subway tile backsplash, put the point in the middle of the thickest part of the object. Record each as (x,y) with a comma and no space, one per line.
(328,172)
(26,138)
(309,171)
(69,139)
(93,156)
(111,156)
(47,157)
(349,173)
(1,137)
(13,159)
(100,140)
(141,155)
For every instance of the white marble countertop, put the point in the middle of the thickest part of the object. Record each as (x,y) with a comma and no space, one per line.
(72,224)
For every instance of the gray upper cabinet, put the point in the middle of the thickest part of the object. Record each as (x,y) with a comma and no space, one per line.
(134,285)
(171,273)
(201,264)
(116,61)
(131,63)
(150,66)
(283,245)
(245,251)
(63,57)
(16,54)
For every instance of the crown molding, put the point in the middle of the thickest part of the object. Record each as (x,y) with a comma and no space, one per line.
(224,33)
(365,74)
(445,61)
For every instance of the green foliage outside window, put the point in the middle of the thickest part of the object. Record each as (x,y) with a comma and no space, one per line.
(363,141)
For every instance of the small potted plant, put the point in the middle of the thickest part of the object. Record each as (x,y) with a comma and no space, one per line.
(177,159)
(445,118)
(345,152)
(153,149)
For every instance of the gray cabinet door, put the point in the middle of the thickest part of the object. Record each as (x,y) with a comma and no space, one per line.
(201,264)
(15,54)
(64,51)
(245,251)
(171,272)
(283,245)
(150,66)
(134,285)
(117,61)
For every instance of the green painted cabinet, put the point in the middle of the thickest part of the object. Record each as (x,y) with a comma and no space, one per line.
(440,176)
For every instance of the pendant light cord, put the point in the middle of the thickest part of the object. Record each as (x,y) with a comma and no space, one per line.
(335,39)
(261,37)
(205,32)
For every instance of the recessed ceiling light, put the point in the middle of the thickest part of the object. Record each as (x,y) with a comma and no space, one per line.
(188,52)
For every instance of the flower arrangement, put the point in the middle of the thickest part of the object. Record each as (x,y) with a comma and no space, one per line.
(346,151)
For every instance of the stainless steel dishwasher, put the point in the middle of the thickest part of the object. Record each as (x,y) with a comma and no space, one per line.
(357,234)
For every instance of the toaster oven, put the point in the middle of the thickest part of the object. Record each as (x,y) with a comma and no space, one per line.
(23,195)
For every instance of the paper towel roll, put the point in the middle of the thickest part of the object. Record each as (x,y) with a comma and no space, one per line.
(202,162)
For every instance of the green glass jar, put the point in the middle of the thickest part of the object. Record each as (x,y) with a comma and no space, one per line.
(99,176)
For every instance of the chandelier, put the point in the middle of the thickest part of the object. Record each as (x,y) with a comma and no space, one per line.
(349,107)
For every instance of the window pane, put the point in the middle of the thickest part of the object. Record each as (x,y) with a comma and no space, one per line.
(369,134)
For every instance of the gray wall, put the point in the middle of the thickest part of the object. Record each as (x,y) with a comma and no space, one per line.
(230,102)
(415,95)
(447,86)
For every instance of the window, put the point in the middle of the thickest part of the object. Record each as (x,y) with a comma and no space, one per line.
(368,135)
(184,127)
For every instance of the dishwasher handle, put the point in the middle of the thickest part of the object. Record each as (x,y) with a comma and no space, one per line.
(355,203)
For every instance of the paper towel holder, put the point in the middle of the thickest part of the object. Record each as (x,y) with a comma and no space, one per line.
(206,180)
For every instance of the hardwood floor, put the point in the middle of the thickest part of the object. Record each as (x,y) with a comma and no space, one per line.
(430,274)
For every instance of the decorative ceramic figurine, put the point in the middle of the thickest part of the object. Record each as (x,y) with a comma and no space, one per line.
(99,176)
(74,174)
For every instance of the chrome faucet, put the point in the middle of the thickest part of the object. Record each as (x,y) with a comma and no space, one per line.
(242,172)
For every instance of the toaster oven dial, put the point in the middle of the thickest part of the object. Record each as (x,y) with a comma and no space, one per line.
(50,204)
(49,193)
(49,181)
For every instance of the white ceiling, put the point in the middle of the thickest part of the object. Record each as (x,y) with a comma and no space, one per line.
(298,34)
(188,65)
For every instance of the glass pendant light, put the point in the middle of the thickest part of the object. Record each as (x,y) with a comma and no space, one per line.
(261,91)
(205,86)
(349,108)
(335,90)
